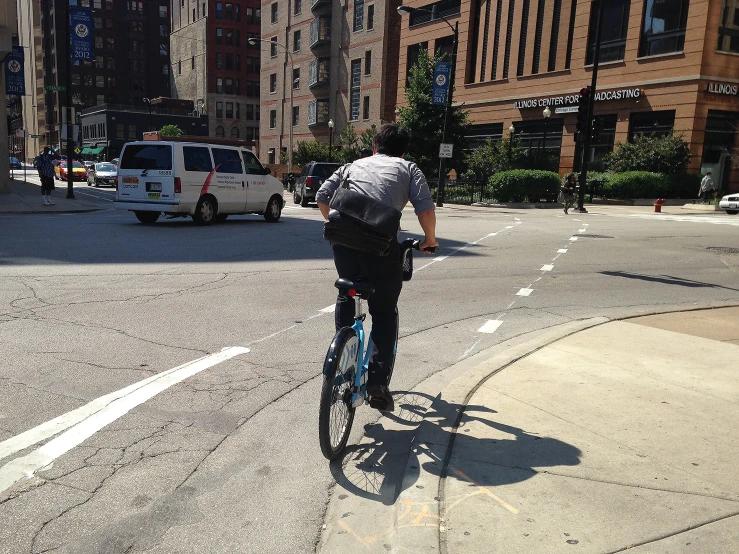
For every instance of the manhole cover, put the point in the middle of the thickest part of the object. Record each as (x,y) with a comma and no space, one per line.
(594,236)
(723,250)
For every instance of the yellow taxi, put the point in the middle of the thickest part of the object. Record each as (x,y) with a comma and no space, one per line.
(79,173)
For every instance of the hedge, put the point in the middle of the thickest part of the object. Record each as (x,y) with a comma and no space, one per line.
(643,184)
(519,185)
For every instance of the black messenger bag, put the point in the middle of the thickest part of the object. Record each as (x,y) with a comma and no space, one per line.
(361,222)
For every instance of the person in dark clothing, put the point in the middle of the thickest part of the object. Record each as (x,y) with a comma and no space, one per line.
(387,177)
(568,191)
(44,164)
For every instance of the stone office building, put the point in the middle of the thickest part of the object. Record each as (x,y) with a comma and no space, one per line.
(342,66)
(665,66)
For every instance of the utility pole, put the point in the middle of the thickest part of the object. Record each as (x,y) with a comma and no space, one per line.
(591,103)
(68,101)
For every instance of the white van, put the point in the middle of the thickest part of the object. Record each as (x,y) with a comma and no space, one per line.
(206,181)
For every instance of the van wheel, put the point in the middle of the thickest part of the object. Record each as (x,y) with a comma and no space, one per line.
(732,212)
(296,198)
(147,218)
(221,217)
(303,200)
(274,209)
(205,211)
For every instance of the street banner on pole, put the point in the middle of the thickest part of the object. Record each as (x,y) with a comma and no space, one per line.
(80,21)
(15,80)
(441,83)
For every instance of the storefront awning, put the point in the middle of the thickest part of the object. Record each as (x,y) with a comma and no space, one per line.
(85,151)
(98,150)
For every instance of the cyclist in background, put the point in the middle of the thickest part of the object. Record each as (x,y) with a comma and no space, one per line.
(387,177)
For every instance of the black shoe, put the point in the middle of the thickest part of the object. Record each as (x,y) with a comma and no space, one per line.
(380,398)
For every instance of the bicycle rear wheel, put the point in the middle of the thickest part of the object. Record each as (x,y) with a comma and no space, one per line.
(336,415)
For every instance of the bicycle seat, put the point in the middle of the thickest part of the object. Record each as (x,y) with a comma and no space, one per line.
(361,289)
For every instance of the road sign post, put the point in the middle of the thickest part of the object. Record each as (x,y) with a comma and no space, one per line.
(445,150)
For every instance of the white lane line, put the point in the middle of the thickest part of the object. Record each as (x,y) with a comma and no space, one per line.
(469,350)
(509,227)
(85,421)
(562,251)
(490,326)
(573,239)
(555,257)
(577,220)
(510,305)
(524,292)
(516,219)
(547,267)
(537,280)
(586,224)
(581,230)
(442,258)
(328,309)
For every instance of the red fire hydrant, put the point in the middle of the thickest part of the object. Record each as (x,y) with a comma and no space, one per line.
(658,205)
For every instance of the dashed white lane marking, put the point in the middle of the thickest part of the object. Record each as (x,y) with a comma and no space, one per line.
(85,421)
(577,220)
(490,326)
(562,251)
(510,305)
(524,292)
(537,280)
(547,267)
(573,239)
(581,230)
(469,350)
(469,244)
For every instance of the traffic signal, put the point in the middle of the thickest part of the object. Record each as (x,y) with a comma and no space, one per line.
(596,128)
(582,109)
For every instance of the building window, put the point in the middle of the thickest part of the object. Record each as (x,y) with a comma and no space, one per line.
(538,37)
(370,17)
(219,10)
(272,119)
(229,37)
(613,32)
(663,28)
(659,124)
(230,61)
(99,81)
(219,85)
(368,62)
(273,47)
(250,112)
(238,110)
(229,11)
(165,69)
(297,6)
(522,37)
(120,131)
(296,116)
(358,15)
(234,132)
(554,38)
(219,110)
(274,12)
(318,112)
(229,86)
(366,108)
(414,51)
(271,156)
(229,110)
(219,36)
(272,83)
(509,38)
(296,41)
(220,132)
(443,47)
(356,76)
(162,11)
(728,32)
(132,131)
(296,78)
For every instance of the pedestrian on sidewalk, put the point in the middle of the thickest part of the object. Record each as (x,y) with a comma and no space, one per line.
(707,188)
(568,191)
(44,164)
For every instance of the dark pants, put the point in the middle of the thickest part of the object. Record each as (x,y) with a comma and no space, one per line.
(47,184)
(386,274)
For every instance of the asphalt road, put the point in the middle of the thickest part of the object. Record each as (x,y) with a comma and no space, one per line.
(225,458)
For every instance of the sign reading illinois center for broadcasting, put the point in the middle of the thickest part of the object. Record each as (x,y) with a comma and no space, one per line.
(573,99)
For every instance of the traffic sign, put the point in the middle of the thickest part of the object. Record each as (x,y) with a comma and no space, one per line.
(77,150)
(445,150)
(56,88)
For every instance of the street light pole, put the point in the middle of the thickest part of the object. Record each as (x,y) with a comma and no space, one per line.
(450,91)
(331,140)
(511,130)
(547,112)
(253,41)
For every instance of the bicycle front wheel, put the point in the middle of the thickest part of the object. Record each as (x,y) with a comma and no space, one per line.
(336,415)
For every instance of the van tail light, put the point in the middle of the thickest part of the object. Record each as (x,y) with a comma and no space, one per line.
(177,185)
(309,182)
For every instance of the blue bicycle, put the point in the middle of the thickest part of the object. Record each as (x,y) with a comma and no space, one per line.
(347,362)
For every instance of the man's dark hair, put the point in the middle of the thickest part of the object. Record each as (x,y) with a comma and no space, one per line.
(391,140)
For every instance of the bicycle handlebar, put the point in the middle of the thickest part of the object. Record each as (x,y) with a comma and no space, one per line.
(416,245)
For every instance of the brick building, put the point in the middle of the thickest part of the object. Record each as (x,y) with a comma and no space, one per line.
(214,65)
(345,66)
(665,65)
(131,56)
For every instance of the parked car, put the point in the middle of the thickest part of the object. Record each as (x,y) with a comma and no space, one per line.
(310,180)
(730,203)
(15,163)
(102,174)
(78,171)
(88,165)
(206,181)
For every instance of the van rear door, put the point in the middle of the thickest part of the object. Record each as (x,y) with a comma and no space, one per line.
(145,173)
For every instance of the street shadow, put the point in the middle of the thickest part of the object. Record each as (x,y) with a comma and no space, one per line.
(666,280)
(418,435)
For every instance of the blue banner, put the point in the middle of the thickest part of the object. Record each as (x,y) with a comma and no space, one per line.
(442,71)
(15,80)
(80,21)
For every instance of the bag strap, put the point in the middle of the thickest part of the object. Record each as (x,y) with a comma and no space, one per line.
(345,176)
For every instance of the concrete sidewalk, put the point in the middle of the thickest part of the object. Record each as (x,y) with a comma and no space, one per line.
(25,198)
(594,436)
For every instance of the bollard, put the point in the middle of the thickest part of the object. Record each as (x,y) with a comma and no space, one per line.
(658,205)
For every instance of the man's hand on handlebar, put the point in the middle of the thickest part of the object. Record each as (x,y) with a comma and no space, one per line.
(428,246)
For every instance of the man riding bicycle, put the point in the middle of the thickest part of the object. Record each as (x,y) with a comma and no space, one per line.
(387,177)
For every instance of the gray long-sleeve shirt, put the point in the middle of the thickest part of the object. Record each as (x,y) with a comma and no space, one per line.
(393,181)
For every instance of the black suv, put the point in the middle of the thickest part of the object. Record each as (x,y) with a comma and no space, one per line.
(310,180)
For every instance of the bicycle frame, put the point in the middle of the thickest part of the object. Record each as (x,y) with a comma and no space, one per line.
(359,394)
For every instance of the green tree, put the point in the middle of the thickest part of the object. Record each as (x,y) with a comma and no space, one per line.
(668,154)
(308,151)
(425,121)
(347,145)
(170,131)
(367,137)
(493,157)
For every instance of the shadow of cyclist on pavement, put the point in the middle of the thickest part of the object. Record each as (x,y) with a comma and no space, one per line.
(389,458)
